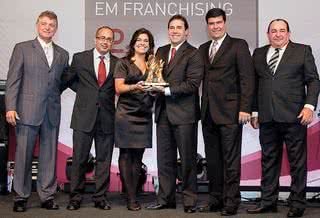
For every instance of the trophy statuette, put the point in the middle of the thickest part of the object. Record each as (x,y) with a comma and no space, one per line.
(154,69)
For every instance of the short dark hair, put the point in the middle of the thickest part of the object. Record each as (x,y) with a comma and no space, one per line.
(133,41)
(216,12)
(279,19)
(49,14)
(179,17)
(104,27)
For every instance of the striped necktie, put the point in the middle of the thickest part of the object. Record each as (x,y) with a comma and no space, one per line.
(213,51)
(273,61)
(173,53)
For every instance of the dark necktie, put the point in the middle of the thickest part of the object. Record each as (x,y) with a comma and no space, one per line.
(102,75)
(213,51)
(173,53)
(274,60)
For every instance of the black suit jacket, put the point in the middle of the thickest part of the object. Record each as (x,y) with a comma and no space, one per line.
(228,84)
(89,96)
(282,96)
(184,76)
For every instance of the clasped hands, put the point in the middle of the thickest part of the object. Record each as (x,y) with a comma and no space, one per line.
(148,88)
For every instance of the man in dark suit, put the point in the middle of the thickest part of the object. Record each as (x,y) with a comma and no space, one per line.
(287,94)
(227,93)
(91,77)
(177,113)
(33,107)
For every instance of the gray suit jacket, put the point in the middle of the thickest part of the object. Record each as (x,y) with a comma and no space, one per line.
(33,88)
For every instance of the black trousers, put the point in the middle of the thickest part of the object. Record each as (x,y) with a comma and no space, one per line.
(272,137)
(82,142)
(170,138)
(223,154)
(130,162)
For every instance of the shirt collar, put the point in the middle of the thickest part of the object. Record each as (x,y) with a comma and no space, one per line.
(43,43)
(272,49)
(220,40)
(178,46)
(96,55)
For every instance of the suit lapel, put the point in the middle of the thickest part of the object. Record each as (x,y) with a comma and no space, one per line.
(177,57)
(285,57)
(56,55)
(264,59)
(90,67)
(224,47)
(113,61)
(206,52)
(39,50)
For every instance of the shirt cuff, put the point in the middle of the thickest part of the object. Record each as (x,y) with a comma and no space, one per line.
(254,114)
(167,91)
(310,106)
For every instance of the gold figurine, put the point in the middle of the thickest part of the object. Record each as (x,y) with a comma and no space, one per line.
(154,69)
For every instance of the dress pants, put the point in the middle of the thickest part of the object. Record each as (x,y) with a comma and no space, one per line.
(46,179)
(223,155)
(82,142)
(272,136)
(170,138)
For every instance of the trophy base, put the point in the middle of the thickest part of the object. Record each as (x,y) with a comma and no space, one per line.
(156,84)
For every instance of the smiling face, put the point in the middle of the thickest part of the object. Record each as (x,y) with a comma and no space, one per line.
(177,32)
(141,46)
(216,27)
(46,28)
(104,41)
(278,34)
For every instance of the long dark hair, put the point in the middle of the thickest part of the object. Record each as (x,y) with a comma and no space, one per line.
(133,40)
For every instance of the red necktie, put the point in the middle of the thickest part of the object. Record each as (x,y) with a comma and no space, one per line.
(173,53)
(102,75)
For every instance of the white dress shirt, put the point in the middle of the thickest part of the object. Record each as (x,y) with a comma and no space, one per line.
(48,50)
(96,59)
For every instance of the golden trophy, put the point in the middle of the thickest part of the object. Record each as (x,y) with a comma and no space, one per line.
(154,69)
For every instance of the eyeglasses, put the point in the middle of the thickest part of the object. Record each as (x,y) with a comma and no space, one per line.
(104,39)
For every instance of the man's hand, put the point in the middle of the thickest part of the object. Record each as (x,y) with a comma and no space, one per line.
(306,116)
(11,117)
(254,122)
(156,89)
(244,117)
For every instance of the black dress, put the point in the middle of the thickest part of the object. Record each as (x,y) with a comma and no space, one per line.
(133,119)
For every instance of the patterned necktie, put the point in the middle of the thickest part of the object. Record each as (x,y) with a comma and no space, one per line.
(273,61)
(173,53)
(213,51)
(48,55)
(102,75)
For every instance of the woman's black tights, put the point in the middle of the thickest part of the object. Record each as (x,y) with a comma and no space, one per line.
(130,161)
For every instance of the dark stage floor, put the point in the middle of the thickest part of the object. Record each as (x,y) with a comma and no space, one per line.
(119,210)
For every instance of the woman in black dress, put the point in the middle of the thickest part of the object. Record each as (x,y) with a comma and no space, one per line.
(133,119)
